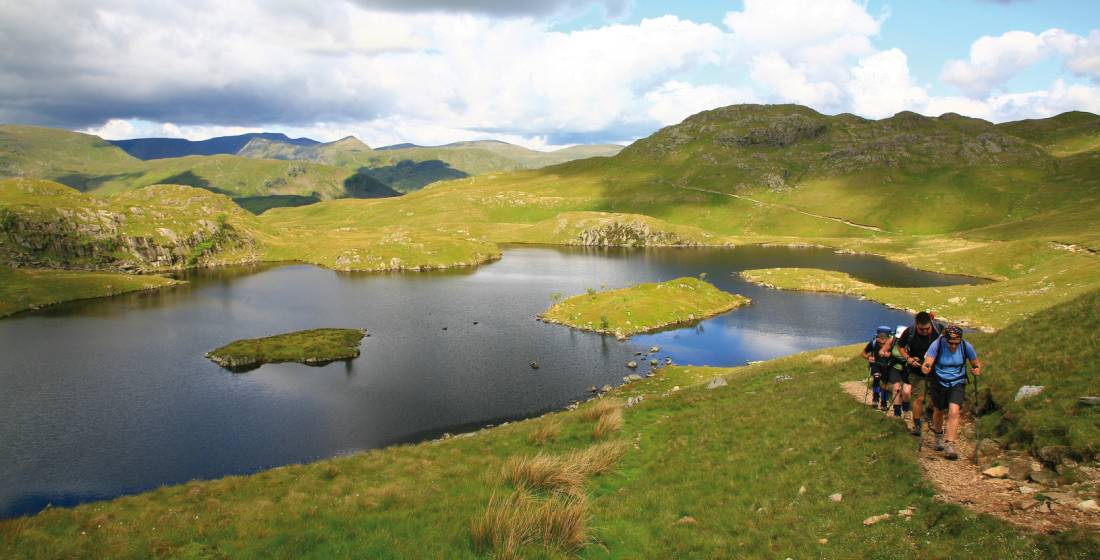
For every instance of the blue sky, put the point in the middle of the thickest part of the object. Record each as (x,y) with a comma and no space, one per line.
(542,73)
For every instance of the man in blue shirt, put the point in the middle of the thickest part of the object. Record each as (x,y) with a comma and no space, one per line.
(947,358)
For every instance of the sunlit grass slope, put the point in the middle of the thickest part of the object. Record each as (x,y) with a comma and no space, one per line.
(744,470)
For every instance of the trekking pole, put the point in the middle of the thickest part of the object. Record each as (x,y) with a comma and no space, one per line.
(977,423)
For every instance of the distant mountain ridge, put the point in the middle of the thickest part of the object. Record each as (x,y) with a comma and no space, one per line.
(160,148)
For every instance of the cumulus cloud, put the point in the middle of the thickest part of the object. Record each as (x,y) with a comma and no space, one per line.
(881,86)
(995,60)
(241,64)
(673,101)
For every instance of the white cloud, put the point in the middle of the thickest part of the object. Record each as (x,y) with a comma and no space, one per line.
(674,101)
(819,30)
(792,83)
(881,85)
(995,60)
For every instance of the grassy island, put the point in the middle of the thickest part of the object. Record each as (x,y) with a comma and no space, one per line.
(315,346)
(644,307)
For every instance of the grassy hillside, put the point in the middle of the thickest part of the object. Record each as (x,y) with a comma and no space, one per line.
(407,168)
(706,473)
(1062,135)
(88,163)
(949,194)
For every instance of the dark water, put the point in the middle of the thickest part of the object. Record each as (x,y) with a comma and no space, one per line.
(113,396)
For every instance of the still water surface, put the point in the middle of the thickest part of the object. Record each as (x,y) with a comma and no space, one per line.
(113,396)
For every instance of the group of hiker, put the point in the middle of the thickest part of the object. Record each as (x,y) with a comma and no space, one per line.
(922,360)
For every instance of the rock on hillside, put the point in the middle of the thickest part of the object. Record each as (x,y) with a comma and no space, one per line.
(45,224)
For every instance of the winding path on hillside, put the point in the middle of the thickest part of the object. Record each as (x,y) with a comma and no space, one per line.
(785,207)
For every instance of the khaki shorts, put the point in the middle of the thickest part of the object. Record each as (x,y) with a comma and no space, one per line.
(919,383)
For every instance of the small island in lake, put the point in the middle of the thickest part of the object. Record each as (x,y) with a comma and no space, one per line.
(644,307)
(313,347)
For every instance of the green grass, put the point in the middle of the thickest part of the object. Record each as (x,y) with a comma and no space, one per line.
(643,307)
(1057,349)
(23,289)
(733,459)
(314,346)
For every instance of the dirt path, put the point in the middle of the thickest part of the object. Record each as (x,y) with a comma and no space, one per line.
(786,207)
(962,482)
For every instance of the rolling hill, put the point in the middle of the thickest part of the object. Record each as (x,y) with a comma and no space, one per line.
(408,167)
(88,163)
(157,148)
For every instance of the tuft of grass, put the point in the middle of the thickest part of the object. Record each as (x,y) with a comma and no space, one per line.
(600,407)
(563,473)
(513,523)
(545,431)
(543,473)
(608,424)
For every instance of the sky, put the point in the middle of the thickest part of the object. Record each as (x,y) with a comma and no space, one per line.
(539,73)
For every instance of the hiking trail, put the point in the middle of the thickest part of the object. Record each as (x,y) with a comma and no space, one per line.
(785,207)
(961,482)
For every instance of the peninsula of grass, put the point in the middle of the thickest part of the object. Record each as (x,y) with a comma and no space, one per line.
(313,347)
(24,289)
(644,307)
(686,473)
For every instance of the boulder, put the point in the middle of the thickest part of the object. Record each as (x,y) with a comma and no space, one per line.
(632,364)
(836,497)
(1046,478)
(686,520)
(634,377)
(782,378)
(1019,469)
(875,519)
(1053,454)
(1000,471)
(605,388)
(654,349)
(1089,401)
(1028,391)
(716,383)
(653,362)
(1089,506)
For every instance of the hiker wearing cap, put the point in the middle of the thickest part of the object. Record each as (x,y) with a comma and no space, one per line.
(912,344)
(947,357)
(877,354)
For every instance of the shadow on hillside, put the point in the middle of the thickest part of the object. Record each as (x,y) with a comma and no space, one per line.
(407,175)
(364,185)
(84,182)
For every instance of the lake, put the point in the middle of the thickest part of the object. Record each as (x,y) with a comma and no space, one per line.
(113,396)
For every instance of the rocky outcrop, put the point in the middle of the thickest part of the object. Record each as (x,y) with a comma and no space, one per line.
(628,234)
(98,239)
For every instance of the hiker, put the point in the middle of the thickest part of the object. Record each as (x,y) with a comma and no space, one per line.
(877,354)
(912,344)
(947,357)
(897,377)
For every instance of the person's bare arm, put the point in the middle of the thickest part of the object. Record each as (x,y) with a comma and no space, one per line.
(928,362)
(976,366)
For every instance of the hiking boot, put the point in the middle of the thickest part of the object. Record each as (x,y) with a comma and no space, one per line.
(939,441)
(949,451)
(916,428)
